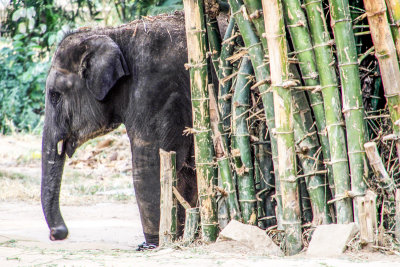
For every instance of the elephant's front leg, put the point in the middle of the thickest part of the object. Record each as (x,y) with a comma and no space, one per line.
(146,181)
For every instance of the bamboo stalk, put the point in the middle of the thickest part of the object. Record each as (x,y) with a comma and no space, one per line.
(213,35)
(332,104)
(257,185)
(222,155)
(225,69)
(307,141)
(385,52)
(191,225)
(204,152)
(305,203)
(267,176)
(254,13)
(379,169)
(168,203)
(394,16)
(275,33)
(245,178)
(298,29)
(352,108)
(255,50)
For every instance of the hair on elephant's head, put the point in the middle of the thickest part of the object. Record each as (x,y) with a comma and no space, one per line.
(83,72)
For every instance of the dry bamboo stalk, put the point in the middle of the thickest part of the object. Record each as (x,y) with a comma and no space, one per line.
(180,198)
(168,203)
(203,147)
(385,52)
(394,15)
(379,169)
(275,33)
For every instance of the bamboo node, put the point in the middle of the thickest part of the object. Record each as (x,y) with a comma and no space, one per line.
(333,22)
(259,83)
(376,13)
(328,86)
(300,23)
(270,35)
(189,131)
(256,14)
(309,3)
(328,43)
(195,66)
(347,64)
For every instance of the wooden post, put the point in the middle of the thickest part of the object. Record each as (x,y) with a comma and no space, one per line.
(367,217)
(168,203)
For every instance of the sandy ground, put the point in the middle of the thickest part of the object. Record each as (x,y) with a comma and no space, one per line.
(103,219)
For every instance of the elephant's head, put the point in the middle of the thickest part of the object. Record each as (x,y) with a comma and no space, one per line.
(83,72)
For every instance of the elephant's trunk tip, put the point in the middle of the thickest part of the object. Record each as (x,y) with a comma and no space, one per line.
(58,233)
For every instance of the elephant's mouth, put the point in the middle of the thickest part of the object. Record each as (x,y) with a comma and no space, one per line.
(66,146)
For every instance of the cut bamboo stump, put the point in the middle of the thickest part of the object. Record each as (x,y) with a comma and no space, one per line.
(168,203)
(378,168)
(367,217)
(191,225)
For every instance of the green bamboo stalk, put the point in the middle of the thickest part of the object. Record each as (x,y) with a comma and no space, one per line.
(275,33)
(240,132)
(332,104)
(307,142)
(394,16)
(305,202)
(267,178)
(222,155)
(191,225)
(257,185)
(214,38)
(254,12)
(298,29)
(204,152)
(352,108)
(255,51)
(225,69)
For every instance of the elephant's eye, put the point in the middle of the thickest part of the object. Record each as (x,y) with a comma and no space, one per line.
(55,97)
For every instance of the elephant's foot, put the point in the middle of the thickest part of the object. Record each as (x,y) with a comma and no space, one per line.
(146,246)
(58,233)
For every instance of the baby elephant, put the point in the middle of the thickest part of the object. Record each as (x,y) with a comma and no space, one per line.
(133,74)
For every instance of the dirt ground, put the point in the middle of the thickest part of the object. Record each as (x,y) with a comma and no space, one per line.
(99,207)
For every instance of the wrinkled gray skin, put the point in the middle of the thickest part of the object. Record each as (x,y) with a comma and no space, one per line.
(133,74)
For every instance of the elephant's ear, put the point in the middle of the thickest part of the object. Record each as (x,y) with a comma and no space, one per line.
(102,65)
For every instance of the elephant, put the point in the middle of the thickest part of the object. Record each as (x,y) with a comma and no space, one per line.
(132,74)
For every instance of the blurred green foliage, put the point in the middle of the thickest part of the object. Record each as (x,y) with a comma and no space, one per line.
(29,33)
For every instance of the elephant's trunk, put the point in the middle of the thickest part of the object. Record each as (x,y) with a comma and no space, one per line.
(52,170)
